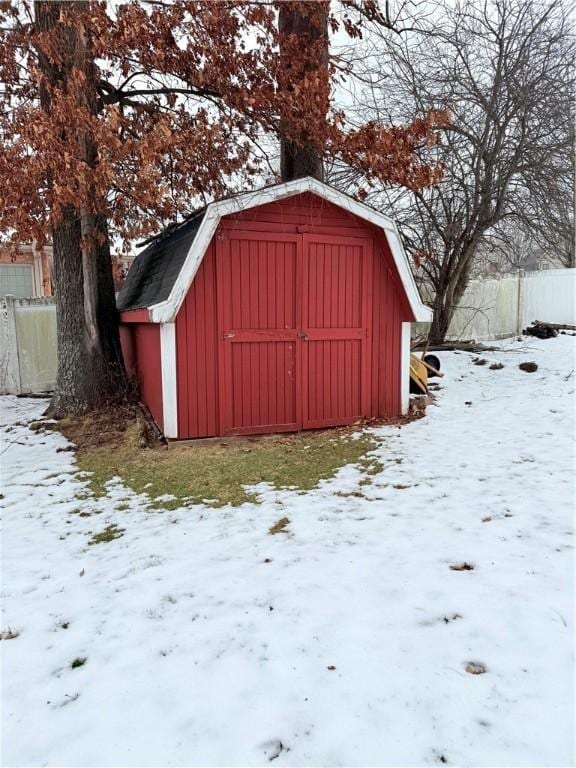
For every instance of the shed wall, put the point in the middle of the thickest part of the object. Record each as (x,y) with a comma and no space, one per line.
(196,323)
(197,355)
(141,351)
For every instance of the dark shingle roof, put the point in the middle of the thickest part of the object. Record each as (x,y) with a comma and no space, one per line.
(154,271)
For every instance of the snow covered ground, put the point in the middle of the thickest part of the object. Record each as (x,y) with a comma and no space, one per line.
(342,641)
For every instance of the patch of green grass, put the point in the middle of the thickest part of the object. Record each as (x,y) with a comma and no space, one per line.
(109,533)
(40,426)
(279,526)
(351,494)
(193,473)
(371,465)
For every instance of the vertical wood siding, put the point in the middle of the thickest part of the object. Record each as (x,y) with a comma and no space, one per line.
(141,346)
(335,352)
(196,355)
(351,306)
(257,329)
(389,309)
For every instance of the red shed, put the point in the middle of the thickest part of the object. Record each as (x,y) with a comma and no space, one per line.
(284,309)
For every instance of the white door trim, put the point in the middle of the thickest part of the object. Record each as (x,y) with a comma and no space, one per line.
(169,385)
(405,369)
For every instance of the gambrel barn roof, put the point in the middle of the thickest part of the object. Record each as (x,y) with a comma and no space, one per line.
(162,274)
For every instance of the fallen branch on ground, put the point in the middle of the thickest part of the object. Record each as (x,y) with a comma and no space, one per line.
(458,346)
(556,326)
(540,330)
(544,330)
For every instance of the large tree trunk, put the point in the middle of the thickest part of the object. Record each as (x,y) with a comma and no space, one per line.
(303,29)
(90,371)
(89,376)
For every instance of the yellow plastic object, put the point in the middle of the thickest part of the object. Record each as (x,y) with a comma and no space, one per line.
(419,374)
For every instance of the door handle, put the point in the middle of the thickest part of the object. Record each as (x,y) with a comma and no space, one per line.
(303,335)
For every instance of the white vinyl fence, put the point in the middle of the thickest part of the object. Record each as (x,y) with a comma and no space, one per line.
(498,307)
(27,345)
(490,309)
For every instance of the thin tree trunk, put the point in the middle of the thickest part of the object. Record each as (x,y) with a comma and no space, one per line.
(449,293)
(441,317)
(299,156)
(90,371)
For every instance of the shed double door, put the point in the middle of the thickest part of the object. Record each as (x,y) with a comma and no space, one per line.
(293,327)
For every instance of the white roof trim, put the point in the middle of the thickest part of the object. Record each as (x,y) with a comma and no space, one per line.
(166,311)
